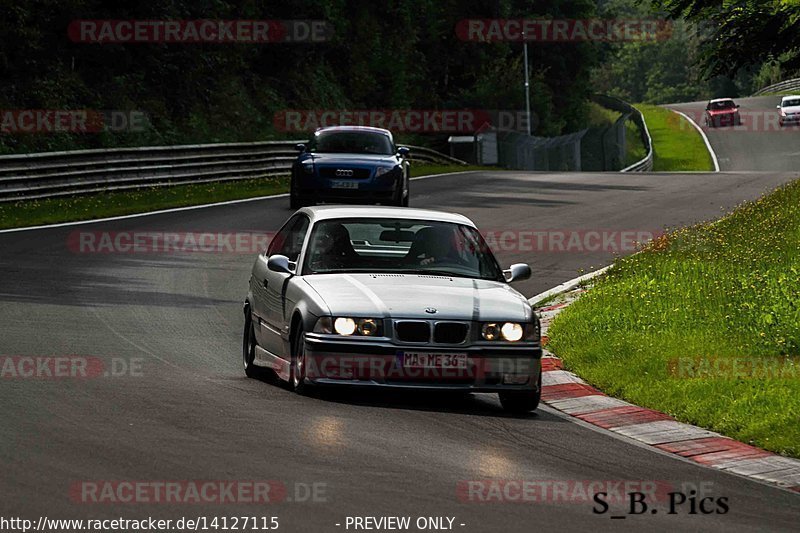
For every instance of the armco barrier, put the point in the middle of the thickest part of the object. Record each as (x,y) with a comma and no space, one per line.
(53,174)
(646,164)
(787,85)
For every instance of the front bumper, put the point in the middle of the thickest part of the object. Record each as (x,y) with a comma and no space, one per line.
(374,189)
(381,364)
(724,119)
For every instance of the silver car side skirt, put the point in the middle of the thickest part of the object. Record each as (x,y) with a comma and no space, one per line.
(266,359)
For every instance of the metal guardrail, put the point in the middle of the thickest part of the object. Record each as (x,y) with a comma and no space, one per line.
(54,174)
(787,85)
(646,163)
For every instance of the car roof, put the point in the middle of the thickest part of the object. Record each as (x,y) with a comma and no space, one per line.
(720,100)
(790,97)
(353,128)
(332,212)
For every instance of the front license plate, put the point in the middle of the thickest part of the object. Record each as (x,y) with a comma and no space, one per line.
(434,360)
(345,184)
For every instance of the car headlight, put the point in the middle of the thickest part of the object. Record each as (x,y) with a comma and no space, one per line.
(511,331)
(346,326)
(490,332)
(308,168)
(367,326)
(507,331)
(380,171)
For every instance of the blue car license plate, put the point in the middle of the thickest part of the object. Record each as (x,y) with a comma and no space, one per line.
(344,184)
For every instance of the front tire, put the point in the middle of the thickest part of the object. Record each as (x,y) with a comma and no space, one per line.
(249,348)
(297,375)
(521,402)
(402,194)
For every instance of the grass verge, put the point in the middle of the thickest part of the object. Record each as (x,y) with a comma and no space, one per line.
(703,324)
(677,146)
(118,203)
(634,147)
(603,118)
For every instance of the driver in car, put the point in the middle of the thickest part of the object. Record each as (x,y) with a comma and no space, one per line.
(432,245)
(331,248)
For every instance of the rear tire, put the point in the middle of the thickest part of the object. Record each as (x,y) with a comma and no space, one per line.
(523,401)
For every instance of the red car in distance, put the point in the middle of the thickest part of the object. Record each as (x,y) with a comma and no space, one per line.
(722,112)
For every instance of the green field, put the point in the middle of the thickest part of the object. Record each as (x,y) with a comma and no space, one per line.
(704,324)
(677,145)
(101,205)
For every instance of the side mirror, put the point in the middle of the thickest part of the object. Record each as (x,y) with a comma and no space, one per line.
(777,106)
(279,263)
(300,147)
(517,272)
(403,151)
(737,106)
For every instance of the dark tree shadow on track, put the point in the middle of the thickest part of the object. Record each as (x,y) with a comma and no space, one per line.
(79,282)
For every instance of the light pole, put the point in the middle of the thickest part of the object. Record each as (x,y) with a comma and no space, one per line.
(527,84)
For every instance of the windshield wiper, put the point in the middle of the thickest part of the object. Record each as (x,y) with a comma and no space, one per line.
(433,272)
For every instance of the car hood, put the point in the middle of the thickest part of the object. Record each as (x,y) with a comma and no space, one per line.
(409,295)
(352,159)
(792,109)
(713,112)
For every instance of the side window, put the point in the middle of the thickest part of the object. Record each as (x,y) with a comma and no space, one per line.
(289,240)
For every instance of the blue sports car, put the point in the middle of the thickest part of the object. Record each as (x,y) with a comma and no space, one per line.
(350,164)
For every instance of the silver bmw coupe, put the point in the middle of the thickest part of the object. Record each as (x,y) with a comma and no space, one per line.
(390,297)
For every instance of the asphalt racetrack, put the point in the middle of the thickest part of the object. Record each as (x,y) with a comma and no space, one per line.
(759,143)
(187,412)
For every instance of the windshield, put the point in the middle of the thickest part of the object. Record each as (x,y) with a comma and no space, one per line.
(791,103)
(727,104)
(351,142)
(401,246)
